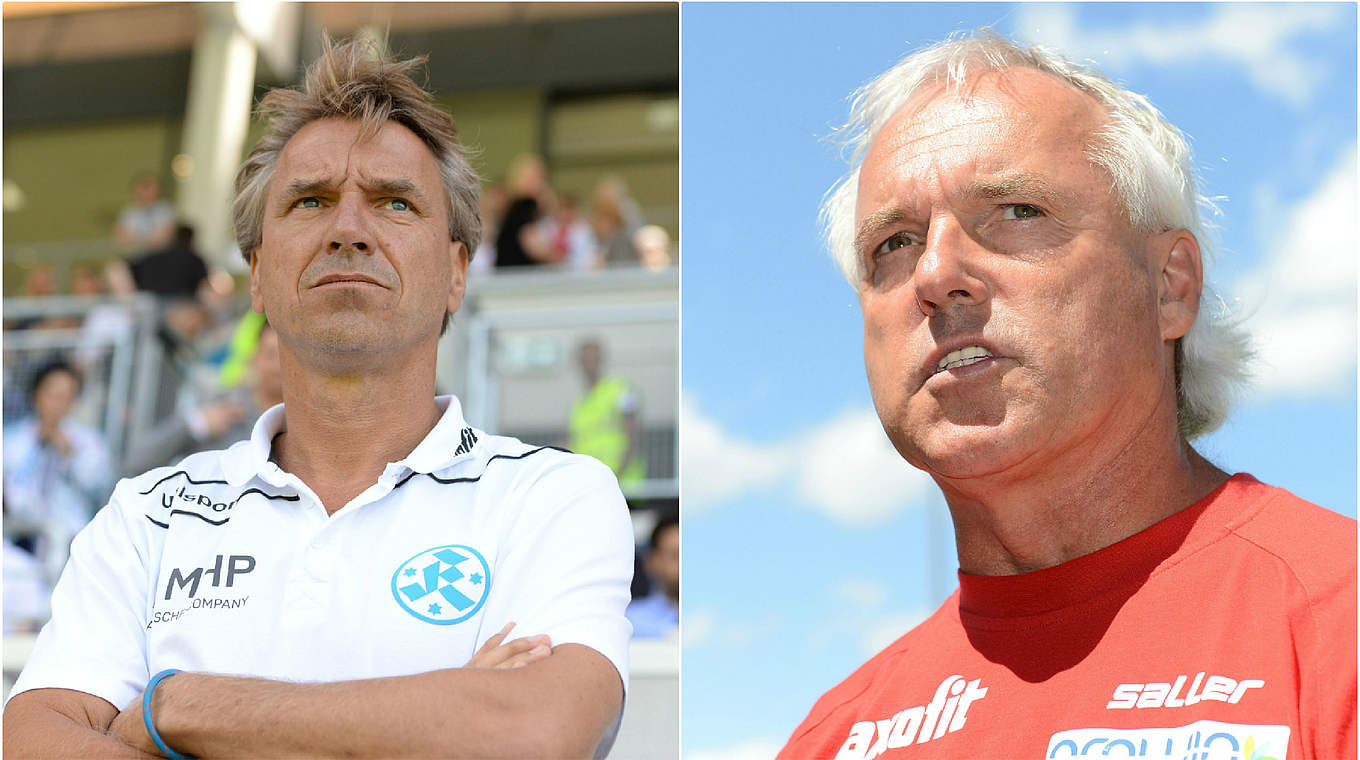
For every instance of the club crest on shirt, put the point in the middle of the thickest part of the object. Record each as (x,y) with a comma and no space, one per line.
(443,585)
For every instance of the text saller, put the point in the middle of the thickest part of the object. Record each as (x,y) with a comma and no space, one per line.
(1128,696)
(944,714)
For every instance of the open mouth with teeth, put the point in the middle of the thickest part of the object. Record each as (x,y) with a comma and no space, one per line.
(963,357)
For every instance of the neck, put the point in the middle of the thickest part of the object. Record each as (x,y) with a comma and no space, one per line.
(1092,498)
(343,430)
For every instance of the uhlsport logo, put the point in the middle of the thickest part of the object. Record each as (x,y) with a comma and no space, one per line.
(443,585)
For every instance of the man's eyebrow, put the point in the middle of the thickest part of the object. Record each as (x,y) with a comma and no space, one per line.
(391,187)
(304,187)
(1022,184)
(404,187)
(400,187)
(874,224)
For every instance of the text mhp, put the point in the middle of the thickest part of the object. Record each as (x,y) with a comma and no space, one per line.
(236,564)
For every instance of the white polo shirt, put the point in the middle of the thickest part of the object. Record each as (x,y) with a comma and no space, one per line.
(226,564)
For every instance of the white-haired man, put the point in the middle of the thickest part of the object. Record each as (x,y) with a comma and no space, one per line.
(1022,235)
(341,583)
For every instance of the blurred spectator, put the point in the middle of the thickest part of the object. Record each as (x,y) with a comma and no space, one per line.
(519,241)
(604,422)
(119,277)
(106,323)
(184,319)
(15,401)
(57,471)
(194,348)
(85,281)
(174,270)
(218,423)
(569,236)
(494,202)
(654,247)
(21,365)
(658,614)
(615,219)
(149,222)
(26,590)
(40,282)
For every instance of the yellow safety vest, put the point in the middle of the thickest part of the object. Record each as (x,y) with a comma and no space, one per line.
(598,429)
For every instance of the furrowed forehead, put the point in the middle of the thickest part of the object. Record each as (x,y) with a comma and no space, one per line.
(326,151)
(1005,113)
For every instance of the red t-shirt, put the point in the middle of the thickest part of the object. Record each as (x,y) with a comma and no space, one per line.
(1224,631)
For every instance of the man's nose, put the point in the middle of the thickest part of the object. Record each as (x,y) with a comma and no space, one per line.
(351,226)
(946,274)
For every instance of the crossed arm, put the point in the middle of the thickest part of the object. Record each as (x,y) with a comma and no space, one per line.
(63,723)
(556,706)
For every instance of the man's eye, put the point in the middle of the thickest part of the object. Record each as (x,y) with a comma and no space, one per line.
(398,204)
(1021,211)
(310,201)
(899,240)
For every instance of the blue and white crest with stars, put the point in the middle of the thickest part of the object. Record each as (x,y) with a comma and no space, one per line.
(443,585)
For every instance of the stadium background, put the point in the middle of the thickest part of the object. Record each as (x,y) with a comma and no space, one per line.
(95,93)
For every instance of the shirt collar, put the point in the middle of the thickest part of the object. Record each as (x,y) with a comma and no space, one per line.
(450,439)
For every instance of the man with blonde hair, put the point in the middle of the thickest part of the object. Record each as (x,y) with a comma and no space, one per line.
(342,583)
(1023,236)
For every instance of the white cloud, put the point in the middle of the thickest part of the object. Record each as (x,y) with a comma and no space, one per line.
(704,628)
(865,592)
(843,467)
(1301,301)
(738,634)
(852,473)
(1261,39)
(718,466)
(889,628)
(753,749)
(696,628)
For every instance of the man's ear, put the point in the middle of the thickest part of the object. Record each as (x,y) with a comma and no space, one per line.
(256,302)
(1180,279)
(458,254)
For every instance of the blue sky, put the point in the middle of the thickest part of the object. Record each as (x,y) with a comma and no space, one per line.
(808,544)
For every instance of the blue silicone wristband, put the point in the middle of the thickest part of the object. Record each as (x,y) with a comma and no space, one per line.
(151,724)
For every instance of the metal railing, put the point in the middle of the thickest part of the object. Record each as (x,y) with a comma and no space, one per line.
(570,306)
(121,385)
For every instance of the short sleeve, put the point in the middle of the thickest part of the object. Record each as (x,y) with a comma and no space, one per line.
(1328,656)
(568,562)
(95,641)
(568,559)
